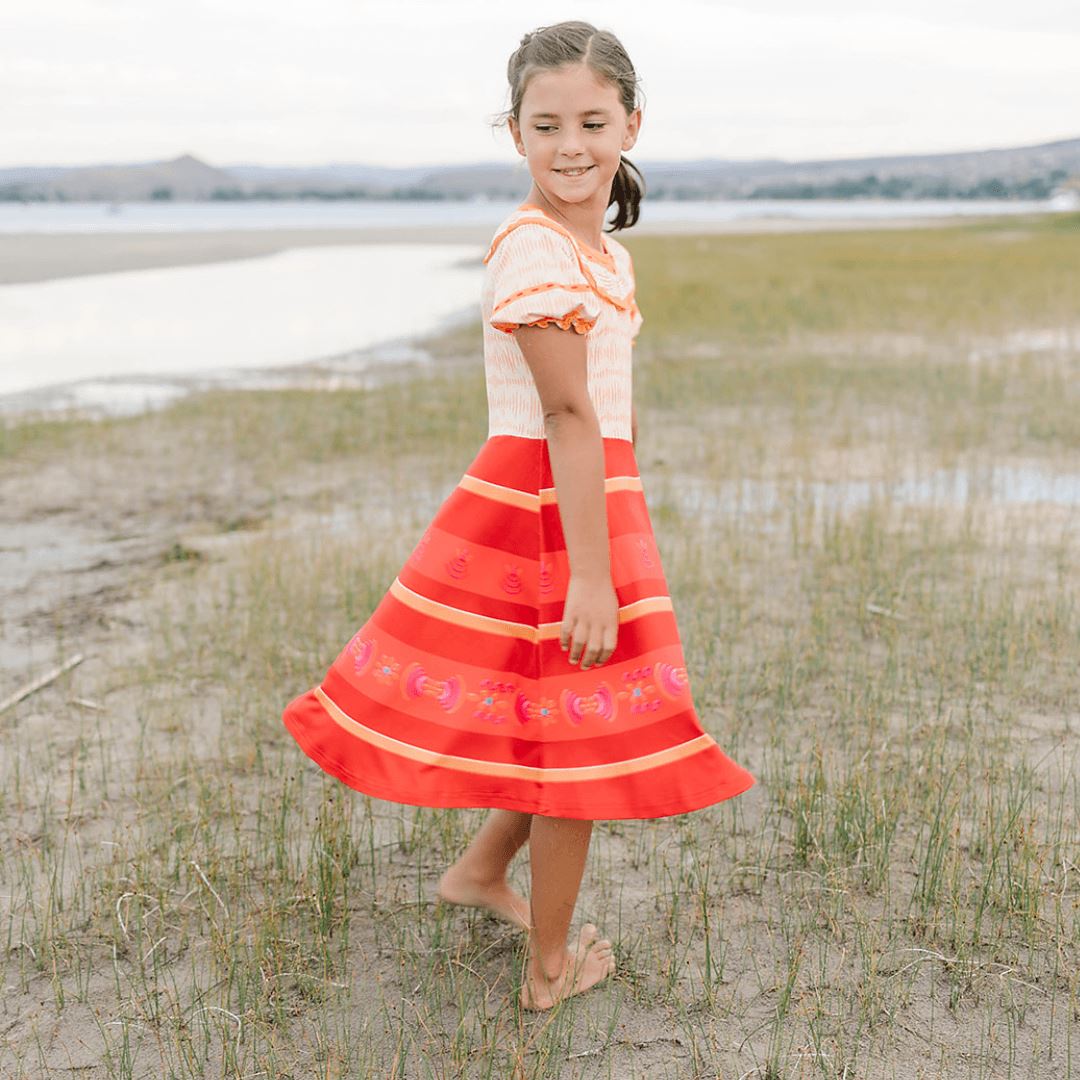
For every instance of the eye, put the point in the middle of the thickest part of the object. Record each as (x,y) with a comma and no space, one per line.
(594,124)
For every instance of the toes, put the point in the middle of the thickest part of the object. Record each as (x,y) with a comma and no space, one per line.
(588,932)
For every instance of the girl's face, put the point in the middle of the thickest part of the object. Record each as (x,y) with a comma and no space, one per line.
(570,120)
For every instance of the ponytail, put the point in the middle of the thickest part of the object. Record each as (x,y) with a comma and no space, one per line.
(627,193)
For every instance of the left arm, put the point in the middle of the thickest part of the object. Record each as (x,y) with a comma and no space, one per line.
(633,427)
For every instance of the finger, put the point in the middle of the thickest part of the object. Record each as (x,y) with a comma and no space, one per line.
(610,640)
(577,644)
(592,649)
(566,630)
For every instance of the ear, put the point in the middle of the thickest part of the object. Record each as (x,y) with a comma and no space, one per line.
(633,129)
(515,133)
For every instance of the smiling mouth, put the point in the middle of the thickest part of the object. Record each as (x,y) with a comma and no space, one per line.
(579,171)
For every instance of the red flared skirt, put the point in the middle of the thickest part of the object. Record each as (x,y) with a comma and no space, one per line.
(456,693)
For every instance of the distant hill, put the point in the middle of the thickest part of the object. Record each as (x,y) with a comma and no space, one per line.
(185,177)
(1009,172)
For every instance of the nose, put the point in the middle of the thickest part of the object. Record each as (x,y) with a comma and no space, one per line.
(571,145)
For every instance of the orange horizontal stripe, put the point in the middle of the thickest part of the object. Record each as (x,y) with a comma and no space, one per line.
(504,653)
(514,458)
(545,631)
(459,617)
(504,769)
(526,500)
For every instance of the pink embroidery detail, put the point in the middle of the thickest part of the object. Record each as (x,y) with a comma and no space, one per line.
(543,710)
(493,700)
(639,691)
(415,682)
(599,703)
(511,581)
(457,567)
(362,649)
(547,582)
(673,681)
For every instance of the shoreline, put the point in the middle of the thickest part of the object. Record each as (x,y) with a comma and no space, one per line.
(29,257)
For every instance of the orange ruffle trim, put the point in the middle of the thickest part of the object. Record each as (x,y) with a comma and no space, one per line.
(572,319)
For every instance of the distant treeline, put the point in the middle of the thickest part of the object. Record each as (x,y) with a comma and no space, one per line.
(897,187)
(17,193)
(867,187)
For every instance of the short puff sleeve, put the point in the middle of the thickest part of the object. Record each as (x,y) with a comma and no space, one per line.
(537,280)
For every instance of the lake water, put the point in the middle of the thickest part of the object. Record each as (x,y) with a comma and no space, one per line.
(124,341)
(169,216)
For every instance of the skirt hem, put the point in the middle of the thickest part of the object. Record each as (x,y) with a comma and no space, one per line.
(501,800)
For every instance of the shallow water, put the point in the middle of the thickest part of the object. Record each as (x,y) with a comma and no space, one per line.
(129,340)
(999,484)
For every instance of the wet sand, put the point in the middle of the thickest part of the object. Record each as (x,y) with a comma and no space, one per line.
(27,257)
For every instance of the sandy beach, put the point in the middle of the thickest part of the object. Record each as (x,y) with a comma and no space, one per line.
(26,257)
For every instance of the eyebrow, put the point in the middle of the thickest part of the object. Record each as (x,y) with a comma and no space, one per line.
(555,116)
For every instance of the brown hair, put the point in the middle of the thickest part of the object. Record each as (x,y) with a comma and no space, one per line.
(576,42)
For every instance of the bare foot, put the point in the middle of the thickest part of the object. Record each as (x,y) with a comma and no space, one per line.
(585,965)
(457,887)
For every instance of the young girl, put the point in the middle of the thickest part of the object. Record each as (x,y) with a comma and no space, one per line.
(526,657)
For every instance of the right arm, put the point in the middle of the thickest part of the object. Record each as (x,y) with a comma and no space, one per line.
(557,359)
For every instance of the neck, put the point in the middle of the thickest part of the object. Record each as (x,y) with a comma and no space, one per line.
(585,220)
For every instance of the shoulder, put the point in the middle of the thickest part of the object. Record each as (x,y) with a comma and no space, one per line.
(526,234)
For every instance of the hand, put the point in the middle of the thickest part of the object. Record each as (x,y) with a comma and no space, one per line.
(590,620)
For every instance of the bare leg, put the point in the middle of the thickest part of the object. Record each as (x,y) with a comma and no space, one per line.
(557,850)
(478,878)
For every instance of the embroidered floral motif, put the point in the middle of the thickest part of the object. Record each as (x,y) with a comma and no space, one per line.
(547,582)
(493,702)
(447,693)
(362,649)
(496,700)
(600,703)
(458,567)
(639,691)
(671,680)
(386,669)
(543,710)
(511,581)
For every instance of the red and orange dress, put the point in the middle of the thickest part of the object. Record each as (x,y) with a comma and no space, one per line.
(455,692)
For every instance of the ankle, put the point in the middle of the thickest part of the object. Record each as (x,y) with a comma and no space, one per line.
(549,967)
(475,872)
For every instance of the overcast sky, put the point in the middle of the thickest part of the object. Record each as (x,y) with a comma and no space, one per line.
(416,82)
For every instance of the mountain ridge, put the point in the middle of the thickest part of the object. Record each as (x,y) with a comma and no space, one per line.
(1025,171)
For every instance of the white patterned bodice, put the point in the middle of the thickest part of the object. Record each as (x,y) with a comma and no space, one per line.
(538,273)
